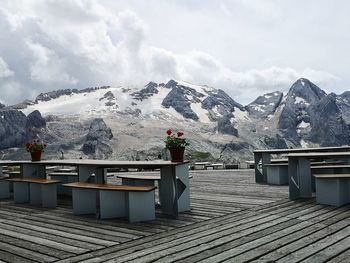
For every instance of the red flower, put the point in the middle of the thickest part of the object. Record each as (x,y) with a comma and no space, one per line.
(169,132)
(179,134)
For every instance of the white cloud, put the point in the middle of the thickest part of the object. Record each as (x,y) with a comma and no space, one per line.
(81,43)
(46,66)
(4,70)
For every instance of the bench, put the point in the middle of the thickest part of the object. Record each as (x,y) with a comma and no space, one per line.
(214,166)
(332,189)
(35,191)
(134,202)
(231,166)
(4,187)
(277,173)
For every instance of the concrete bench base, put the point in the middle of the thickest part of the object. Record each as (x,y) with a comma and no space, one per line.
(277,174)
(4,188)
(333,189)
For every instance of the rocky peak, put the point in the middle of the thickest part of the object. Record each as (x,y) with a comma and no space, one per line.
(265,105)
(328,125)
(2,106)
(12,128)
(61,92)
(35,120)
(171,84)
(295,116)
(304,91)
(345,96)
(149,90)
(178,99)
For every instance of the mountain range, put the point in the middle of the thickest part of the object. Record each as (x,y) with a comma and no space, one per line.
(130,122)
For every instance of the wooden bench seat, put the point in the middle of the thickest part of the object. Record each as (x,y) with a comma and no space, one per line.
(63,174)
(35,191)
(4,187)
(142,177)
(332,189)
(134,202)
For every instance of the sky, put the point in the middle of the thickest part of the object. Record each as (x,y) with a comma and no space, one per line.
(245,47)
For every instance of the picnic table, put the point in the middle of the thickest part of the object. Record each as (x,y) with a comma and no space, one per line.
(263,157)
(169,172)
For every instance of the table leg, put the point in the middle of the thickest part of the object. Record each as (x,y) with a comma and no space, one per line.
(261,175)
(183,188)
(33,171)
(299,173)
(85,172)
(305,185)
(259,178)
(293,178)
(168,194)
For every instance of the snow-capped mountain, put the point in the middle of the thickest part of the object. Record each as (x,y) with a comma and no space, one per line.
(132,120)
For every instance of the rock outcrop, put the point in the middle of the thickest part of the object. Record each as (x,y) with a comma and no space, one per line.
(97,144)
(266,105)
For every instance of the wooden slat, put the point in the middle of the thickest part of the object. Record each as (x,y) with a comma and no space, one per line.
(33,180)
(110,187)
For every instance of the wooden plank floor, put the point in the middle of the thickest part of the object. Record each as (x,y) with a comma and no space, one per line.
(232,220)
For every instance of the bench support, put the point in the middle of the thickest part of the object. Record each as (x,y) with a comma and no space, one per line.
(84,201)
(112,204)
(4,189)
(141,206)
(277,174)
(174,194)
(20,192)
(332,191)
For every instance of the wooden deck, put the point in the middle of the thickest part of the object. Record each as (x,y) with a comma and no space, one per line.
(233,219)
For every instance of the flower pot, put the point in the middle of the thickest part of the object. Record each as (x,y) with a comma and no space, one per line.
(177,154)
(36,156)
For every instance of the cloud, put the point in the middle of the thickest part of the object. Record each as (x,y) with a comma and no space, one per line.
(4,70)
(82,43)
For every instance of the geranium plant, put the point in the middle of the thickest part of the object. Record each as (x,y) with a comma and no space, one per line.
(35,146)
(175,140)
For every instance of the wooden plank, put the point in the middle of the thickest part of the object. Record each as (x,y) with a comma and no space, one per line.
(28,254)
(33,180)
(8,257)
(31,246)
(41,241)
(111,187)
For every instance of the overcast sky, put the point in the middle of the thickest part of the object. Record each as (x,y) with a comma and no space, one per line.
(245,47)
